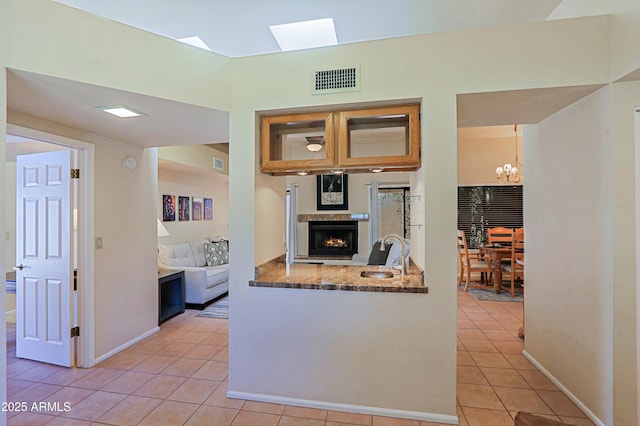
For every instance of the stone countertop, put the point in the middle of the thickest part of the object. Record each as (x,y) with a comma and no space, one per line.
(311,276)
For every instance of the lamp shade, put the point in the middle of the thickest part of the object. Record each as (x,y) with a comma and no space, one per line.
(162,231)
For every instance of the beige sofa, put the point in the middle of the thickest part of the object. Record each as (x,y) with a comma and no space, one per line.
(203,283)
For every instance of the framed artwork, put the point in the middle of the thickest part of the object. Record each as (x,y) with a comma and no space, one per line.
(168,208)
(332,192)
(208,209)
(183,208)
(196,208)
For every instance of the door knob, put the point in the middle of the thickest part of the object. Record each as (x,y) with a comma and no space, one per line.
(19,267)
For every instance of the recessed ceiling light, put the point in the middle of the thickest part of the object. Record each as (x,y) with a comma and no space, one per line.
(195,41)
(121,111)
(305,34)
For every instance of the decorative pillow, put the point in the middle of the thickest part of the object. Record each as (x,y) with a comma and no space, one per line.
(216,253)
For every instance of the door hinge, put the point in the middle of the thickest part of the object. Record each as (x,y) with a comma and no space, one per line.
(75,331)
(75,173)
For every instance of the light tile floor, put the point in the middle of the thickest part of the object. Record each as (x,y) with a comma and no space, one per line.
(495,380)
(178,376)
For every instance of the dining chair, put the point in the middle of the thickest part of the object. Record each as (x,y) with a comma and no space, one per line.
(499,235)
(471,264)
(515,267)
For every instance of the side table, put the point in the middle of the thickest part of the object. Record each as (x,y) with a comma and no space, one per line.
(170,294)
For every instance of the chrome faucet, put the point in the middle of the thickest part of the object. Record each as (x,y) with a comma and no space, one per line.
(404,260)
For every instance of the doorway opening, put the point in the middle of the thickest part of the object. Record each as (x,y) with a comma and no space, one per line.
(22,141)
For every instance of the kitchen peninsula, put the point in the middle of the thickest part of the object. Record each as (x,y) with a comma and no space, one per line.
(345,334)
(276,273)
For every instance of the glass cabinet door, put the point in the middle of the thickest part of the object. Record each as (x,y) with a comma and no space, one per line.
(387,137)
(297,142)
(356,140)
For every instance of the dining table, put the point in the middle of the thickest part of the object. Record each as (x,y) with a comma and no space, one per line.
(493,254)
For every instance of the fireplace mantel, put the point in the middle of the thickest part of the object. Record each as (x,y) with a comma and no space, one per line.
(305,217)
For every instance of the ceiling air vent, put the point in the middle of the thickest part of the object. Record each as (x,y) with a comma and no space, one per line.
(218,163)
(336,80)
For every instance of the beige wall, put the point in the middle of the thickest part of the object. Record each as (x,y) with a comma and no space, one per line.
(3,245)
(10,214)
(625,99)
(569,304)
(193,182)
(625,53)
(10,302)
(637,264)
(10,217)
(195,156)
(482,149)
(124,217)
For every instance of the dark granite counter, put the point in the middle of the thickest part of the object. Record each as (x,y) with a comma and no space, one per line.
(277,274)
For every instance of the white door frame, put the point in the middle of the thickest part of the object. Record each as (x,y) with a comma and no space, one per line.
(85,356)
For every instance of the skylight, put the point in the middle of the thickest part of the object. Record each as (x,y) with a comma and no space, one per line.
(121,111)
(305,34)
(195,41)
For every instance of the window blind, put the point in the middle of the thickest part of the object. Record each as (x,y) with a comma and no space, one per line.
(484,207)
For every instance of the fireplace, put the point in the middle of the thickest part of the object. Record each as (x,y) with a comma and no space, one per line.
(333,238)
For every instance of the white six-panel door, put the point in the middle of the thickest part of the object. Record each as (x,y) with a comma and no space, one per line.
(44,260)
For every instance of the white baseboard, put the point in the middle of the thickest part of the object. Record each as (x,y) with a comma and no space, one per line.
(126,345)
(564,390)
(359,409)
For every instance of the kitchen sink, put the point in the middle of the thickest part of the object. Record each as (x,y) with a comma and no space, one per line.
(376,274)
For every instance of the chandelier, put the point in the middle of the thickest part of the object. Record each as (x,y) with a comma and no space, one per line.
(507,171)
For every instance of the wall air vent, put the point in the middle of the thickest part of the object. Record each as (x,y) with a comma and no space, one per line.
(336,80)
(218,163)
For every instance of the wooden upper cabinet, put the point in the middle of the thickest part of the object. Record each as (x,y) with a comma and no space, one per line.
(355,140)
(380,137)
(284,140)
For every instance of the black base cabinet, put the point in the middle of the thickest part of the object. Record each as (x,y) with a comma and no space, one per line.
(170,294)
